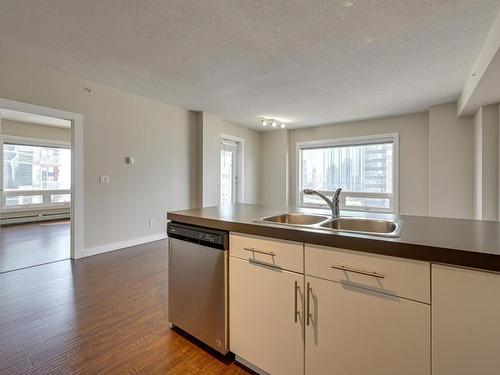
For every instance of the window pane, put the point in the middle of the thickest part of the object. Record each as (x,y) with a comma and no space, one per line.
(226,177)
(358,168)
(60,198)
(368,202)
(314,199)
(23,200)
(36,168)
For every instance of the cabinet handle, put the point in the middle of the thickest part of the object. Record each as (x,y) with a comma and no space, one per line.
(361,272)
(296,312)
(251,249)
(308,300)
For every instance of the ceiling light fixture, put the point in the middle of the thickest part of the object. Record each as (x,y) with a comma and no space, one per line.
(269,121)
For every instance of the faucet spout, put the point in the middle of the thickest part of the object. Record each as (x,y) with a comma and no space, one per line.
(333,204)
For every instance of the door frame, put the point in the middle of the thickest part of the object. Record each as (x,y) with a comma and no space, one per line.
(241,174)
(77,195)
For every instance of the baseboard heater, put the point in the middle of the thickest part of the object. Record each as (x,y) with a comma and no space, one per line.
(34,218)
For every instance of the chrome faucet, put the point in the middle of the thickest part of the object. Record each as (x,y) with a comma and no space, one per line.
(333,204)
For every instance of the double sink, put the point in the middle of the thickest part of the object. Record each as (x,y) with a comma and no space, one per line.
(385,228)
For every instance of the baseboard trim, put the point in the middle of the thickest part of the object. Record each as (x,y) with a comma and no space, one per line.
(33,219)
(250,366)
(121,244)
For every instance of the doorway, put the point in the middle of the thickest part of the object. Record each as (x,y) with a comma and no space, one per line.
(231,170)
(40,184)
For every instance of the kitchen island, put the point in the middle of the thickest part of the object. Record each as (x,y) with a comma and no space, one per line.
(461,242)
(306,300)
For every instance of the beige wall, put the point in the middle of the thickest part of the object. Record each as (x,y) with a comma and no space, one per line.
(213,128)
(437,159)
(24,129)
(116,125)
(451,163)
(413,132)
(275,155)
(177,154)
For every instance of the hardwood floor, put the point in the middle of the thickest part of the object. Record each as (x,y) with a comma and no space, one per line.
(105,314)
(27,245)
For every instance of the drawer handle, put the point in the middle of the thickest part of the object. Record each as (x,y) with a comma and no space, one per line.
(251,249)
(361,272)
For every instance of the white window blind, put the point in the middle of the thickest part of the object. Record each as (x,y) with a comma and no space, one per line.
(363,167)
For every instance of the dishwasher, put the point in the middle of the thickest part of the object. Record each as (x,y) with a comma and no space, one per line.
(198,283)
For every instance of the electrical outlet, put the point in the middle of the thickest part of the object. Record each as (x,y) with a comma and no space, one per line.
(103,179)
(152,223)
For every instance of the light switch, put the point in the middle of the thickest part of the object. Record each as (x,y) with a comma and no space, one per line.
(104,179)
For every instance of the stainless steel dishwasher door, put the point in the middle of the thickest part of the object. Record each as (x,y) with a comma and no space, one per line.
(198,292)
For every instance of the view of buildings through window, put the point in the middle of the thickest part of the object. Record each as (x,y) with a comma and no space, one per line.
(29,168)
(364,168)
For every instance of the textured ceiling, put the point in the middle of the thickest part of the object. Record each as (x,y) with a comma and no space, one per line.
(307,62)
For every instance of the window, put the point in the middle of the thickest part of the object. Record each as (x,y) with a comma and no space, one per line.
(229,171)
(60,198)
(23,200)
(35,175)
(365,168)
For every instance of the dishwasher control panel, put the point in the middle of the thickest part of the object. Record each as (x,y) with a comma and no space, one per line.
(203,236)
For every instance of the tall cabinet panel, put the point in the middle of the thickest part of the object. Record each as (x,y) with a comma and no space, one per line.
(465,321)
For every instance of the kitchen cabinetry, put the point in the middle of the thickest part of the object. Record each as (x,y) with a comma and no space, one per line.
(288,255)
(356,331)
(465,321)
(354,313)
(368,314)
(404,278)
(266,307)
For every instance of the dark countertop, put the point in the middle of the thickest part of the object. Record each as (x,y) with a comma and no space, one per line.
(461,242)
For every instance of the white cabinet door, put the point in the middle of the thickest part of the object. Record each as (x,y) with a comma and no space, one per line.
(465,321)
(354,331)
(264,329)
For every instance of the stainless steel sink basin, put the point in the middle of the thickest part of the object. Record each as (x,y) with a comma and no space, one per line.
(295,219)
(376,227)
(367,226)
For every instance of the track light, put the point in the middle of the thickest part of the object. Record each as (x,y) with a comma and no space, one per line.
(274,123)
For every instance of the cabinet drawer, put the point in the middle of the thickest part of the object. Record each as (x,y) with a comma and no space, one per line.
(273,252)
(395,276)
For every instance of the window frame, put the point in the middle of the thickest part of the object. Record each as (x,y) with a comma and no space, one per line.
(353,141)
(35,142)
